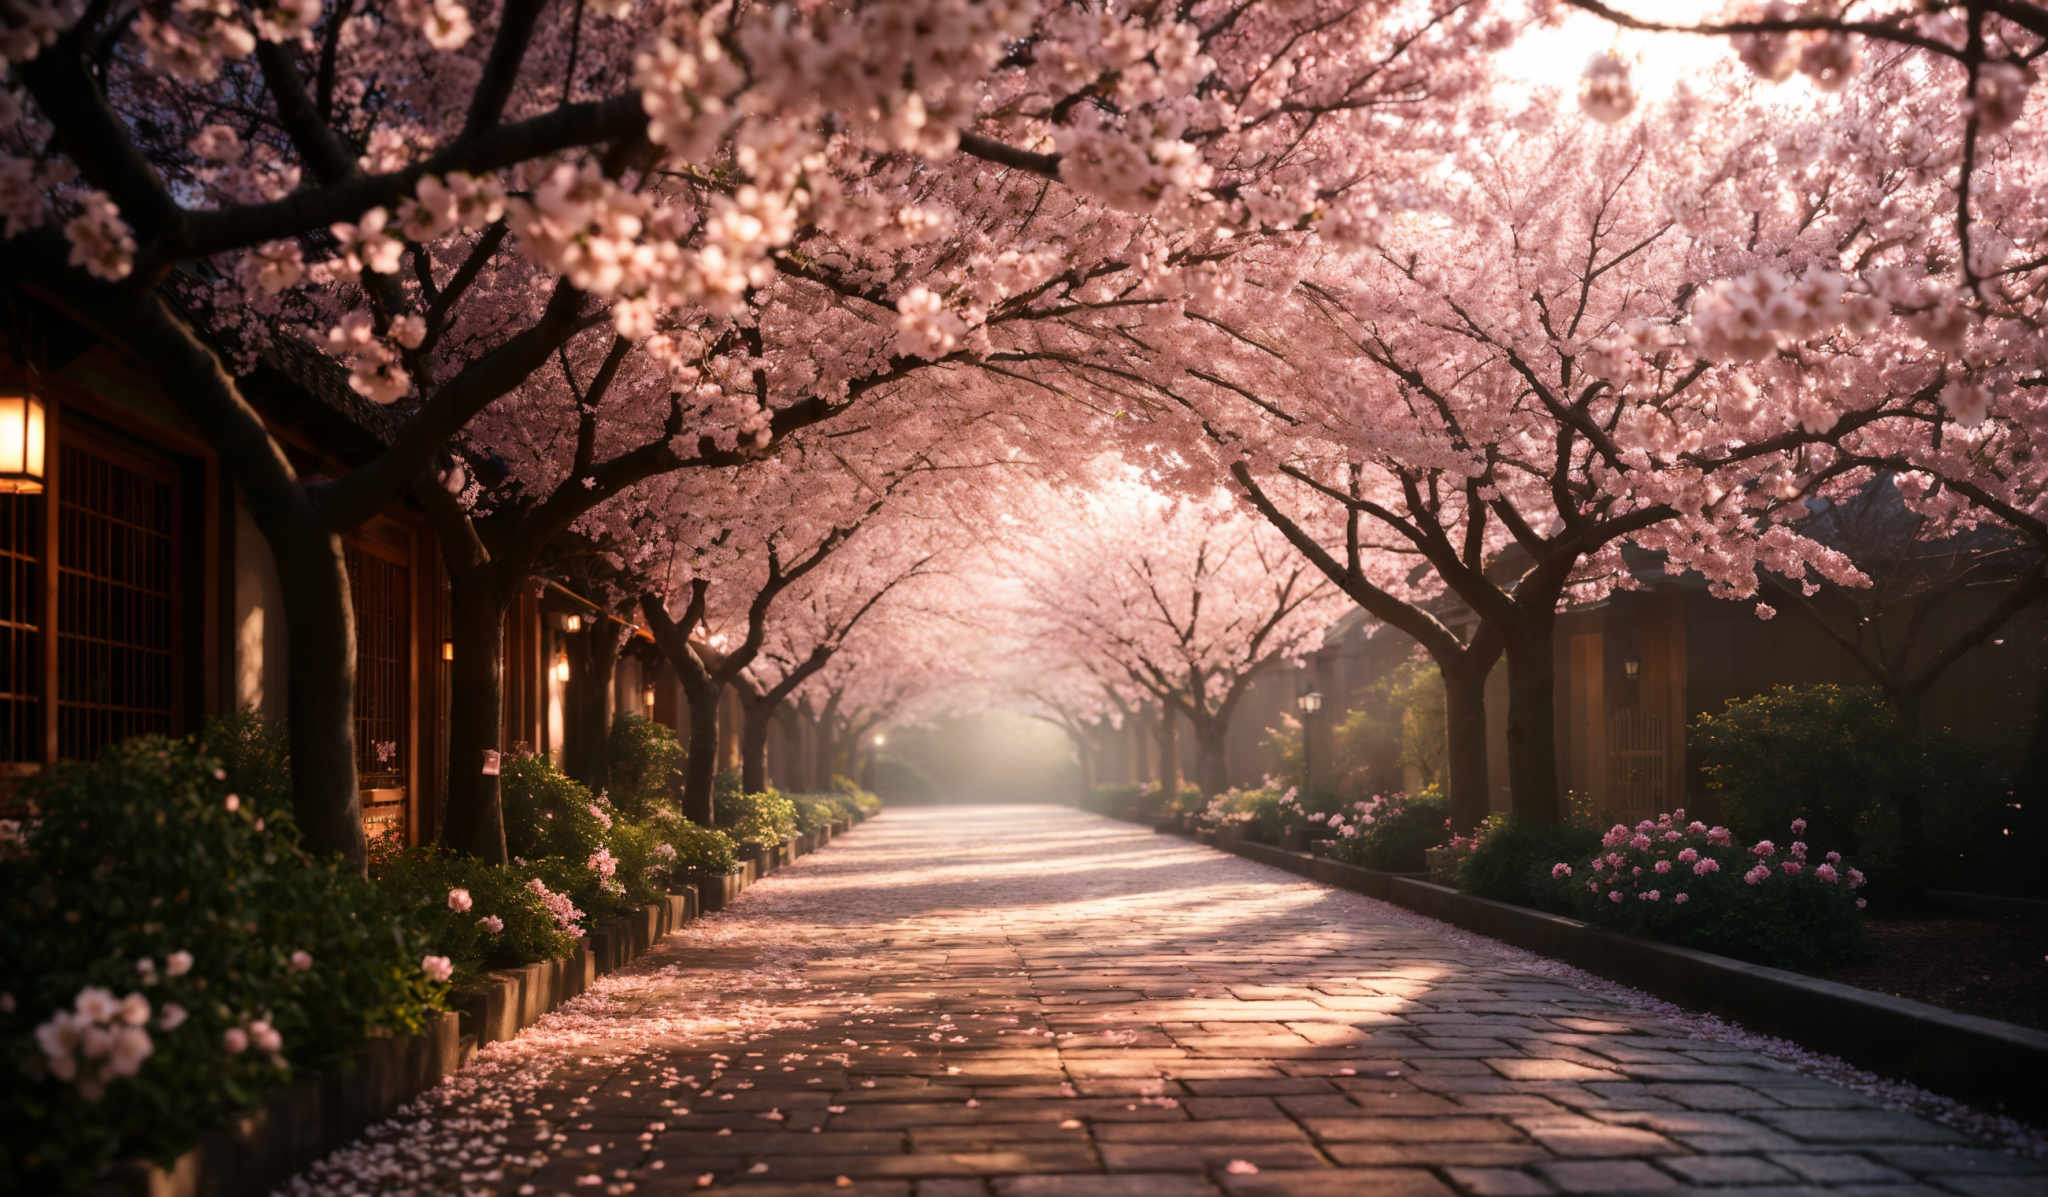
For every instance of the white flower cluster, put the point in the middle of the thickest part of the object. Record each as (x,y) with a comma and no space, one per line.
(374,369)
(100,240)
(444,23)
(100,1039)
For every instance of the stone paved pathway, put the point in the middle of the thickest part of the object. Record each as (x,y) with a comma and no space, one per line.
(1021,1001)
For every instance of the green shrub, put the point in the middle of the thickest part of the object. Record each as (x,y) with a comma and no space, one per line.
(1700,887)
(764,818)
(646,760)
(1391,832)
(815,812)
(1263,812)
(497,922)
(702,849)
(256,754)
(549,813)
(1155,803)
(1115,800)
(1508,860)
(1826,752)
(1836,756)
(144,882)
(859,801)
(641,867)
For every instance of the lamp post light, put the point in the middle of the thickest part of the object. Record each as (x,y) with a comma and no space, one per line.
(1310,702)
(1632,666)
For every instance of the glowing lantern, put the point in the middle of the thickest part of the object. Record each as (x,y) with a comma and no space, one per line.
(24,440)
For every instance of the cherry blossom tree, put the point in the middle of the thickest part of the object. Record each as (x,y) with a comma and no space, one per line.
(1190,600)
(439,201)
(1514,384)
(814,622)
(1983,56)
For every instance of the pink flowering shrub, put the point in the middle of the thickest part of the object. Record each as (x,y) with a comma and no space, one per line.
(169,955)
(1139,801)
(1262,813)
(578,841)
(1386,831)
(549,813)
(420,879)
(1507,860)
(1770,901)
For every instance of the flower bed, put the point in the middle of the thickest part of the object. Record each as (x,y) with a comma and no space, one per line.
(171,963)
(1389,832)
(171,956)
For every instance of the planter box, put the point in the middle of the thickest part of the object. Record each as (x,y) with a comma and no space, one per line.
(715,890)
(1295,839)
(1979,1059)
(259,1149)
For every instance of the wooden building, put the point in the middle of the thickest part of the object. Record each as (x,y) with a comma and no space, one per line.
(137,595)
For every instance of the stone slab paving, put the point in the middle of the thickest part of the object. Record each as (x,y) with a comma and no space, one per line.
(1034,1002)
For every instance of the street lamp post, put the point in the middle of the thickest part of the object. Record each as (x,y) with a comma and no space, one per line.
(1310,702)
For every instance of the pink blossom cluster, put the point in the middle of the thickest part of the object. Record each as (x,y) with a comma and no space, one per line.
(256,1033)
(1657,858)
(1350,823)
(559,907)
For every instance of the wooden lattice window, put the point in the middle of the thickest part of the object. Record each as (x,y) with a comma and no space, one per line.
(117,598)
(381,588)
(22,533)
(92,651)
(1638,755)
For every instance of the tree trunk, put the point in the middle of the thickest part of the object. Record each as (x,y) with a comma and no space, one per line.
(1169,758)
(1212,761)
(757,719)
(320,643)
(700,766)
(1909,703)
(1465,733)
(1141,750)
(1532,721)
(1084,758)
(587,703)
(475,821)
(821,756)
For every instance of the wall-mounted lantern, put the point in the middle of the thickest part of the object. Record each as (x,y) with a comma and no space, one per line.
(1632,667)
(647,696)
(24,441)
(572,624)
(561,669)
(447,650)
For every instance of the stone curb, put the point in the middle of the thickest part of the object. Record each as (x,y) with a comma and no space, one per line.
(1981,1060)
(262,1148)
